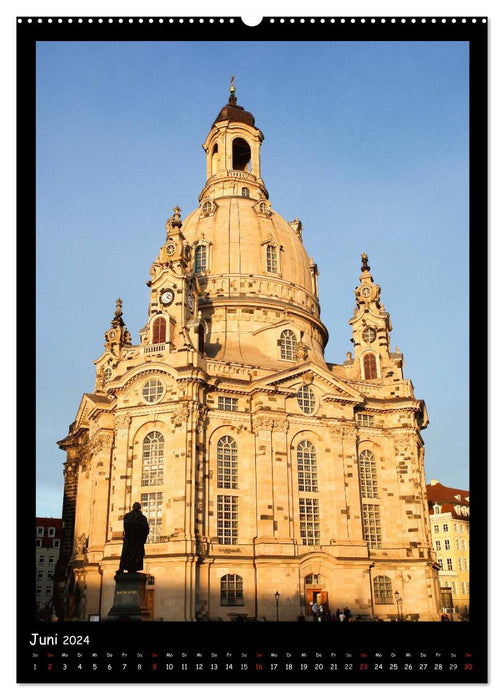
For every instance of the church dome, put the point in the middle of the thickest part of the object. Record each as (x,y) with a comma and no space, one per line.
(239,235)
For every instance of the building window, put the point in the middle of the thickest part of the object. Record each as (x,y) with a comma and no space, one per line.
(369,335)
(307,466)
(306,399)
(287,345)
(38,590)
(370,369)
(364,420)
(245,192)
(449,564)
(438,545)
(51,559)
(436,529)
(445,527)
(309,521)
(313,580)
(454,588)
(227,403)
(372,525)
(440,562)
(56,544)
(232,590)
(38,543)
(207,207)
(51,532)
(40,531)
(227,463)
(200,259)
(40,575)
(447,544)
(367,474)
(152,390)
(437,510)
(153,459)
(159,330)
(107,374)
(50,575)
(48,590)
(41,559)
(271,258)
(382,586)
(263,208)
(152,507)
(227,519)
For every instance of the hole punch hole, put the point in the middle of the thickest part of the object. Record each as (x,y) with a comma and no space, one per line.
(251,21)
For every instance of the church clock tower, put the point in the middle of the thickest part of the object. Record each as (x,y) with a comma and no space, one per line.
(259,465)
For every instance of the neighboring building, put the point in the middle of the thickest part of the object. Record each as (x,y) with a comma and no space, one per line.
(449,516)
(47,551)
(260,466)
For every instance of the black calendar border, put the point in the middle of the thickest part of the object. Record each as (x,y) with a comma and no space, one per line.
(470,637)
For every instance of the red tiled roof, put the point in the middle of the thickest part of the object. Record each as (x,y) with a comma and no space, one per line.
(446,497)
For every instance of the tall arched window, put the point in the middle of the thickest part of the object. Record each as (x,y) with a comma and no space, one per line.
(241,154)
(200,259)
(227,463)
(271,258)
(215,159)
(231,590)
(153,459)
(370,369)
(367,475)
(382,587)
(287,345)
(307,466)
(201,339)
(159,330)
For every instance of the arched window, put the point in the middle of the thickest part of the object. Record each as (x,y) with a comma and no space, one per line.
(231,590)
(271,258)
(227,463)
(201,339)
(200,259)
(307,466)
(159,330)
(245,192)
(153,459)
(382,587)
(215,158)
(367,474)
(287,345)
(241,154)
(370,370)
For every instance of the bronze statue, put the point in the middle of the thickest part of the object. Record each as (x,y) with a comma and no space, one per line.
(136,529)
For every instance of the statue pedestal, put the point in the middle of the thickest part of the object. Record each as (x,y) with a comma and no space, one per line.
(129,598)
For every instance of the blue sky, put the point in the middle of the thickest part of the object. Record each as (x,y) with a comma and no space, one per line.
(366,142)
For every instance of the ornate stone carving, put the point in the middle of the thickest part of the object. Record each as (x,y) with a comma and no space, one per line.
(122,422)
(180,413)
(301,351)
(80,544)
(341,430)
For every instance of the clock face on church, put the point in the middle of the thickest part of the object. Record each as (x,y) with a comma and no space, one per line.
(170,248)
(166,297)
(366,292)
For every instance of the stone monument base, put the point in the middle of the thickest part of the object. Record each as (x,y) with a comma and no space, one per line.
(129,598)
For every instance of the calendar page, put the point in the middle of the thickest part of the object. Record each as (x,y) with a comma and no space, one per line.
(251,247)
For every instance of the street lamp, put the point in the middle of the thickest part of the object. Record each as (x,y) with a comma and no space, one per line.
(277,598)
(399,602)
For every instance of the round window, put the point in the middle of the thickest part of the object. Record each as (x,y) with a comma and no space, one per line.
(152,390)
(207,207)
(107,375)
(369,335)
(306,399)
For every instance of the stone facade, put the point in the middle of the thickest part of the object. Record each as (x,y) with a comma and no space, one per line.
(261,467)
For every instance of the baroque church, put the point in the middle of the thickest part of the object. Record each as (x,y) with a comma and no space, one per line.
(262,468)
